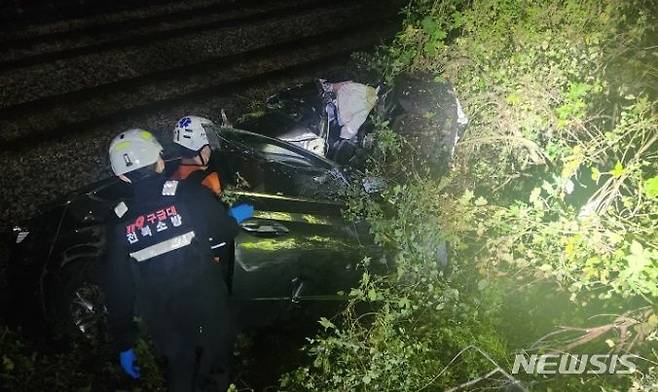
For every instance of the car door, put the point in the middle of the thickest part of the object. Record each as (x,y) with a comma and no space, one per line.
(297,246)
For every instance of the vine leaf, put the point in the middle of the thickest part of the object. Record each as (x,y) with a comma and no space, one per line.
(651,187)
(618,170)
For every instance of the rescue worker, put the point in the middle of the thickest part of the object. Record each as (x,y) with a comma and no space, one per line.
(191,136)
(160,247)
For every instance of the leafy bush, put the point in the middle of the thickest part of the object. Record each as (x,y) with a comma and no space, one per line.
(555,181)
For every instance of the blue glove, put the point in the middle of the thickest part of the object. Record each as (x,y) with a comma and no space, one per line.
(127,359)
(241,212)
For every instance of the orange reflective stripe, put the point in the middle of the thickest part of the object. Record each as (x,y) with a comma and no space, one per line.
(184,171)
(212,182)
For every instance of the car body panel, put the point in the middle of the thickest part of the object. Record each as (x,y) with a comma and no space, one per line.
(291,243)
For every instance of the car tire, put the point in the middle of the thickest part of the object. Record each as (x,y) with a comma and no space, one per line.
(78,307)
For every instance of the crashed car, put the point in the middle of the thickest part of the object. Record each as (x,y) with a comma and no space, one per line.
(327,119)
(335,119)
(293,168)
(297,248)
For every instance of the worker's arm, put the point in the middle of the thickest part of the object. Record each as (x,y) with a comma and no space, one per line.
(119,287)
(221,227)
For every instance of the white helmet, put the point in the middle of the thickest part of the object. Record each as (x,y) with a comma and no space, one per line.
(190,132)
(132,150)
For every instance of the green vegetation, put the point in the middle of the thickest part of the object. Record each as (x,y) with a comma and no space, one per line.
(550,207)
(78,365)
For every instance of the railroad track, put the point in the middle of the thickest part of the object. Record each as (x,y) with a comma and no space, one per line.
(157,53)
(95,78)
(36,15)
(173,11)
(26,52)
(82,110)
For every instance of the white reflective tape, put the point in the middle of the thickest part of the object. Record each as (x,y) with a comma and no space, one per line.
(22,236)
(218,245)
(169,188)
(163,247)
(121,209)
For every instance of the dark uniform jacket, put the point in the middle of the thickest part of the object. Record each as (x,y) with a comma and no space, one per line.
(160,250)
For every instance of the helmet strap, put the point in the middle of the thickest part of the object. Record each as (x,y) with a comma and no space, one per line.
(203,161)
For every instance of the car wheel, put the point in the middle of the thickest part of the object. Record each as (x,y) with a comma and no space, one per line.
(79,303)
(87,310)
